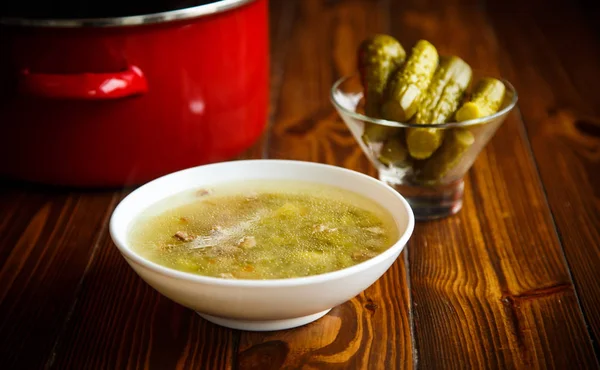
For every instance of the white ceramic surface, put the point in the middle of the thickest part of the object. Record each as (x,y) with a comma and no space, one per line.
(261,304)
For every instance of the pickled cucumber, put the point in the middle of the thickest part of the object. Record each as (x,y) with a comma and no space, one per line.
(423,142)
(376,133)
(485,100)
(394,152)
(443,97)
(408,84)
(445,92)
(456,143)
(378,57)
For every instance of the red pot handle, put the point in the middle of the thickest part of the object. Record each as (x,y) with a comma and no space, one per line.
(86,86)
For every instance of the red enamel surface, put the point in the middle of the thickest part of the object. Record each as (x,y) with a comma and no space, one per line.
(198,93)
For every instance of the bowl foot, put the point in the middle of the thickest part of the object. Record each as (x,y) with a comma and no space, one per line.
(428,202)
(266,325)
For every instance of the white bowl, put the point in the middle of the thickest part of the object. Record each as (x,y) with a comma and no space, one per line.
(261,304)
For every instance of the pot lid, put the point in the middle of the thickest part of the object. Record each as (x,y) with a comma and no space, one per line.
(84,13)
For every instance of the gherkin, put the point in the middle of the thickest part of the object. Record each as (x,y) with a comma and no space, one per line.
(445,92)
(378,57)
(376,133)
(393,152)
(407,85)
(441,100)
(456,142)
(485,100)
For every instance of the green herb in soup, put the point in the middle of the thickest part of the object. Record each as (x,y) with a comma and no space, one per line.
(263,230)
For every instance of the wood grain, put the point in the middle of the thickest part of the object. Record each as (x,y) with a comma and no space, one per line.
(128,325)
(46,239)
(490,277)
(372,330)
(280,14)
(321,49)
(560,107)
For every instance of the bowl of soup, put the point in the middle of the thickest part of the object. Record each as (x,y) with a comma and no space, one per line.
(262,244)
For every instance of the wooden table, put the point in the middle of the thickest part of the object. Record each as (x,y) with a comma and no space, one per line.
(510,282)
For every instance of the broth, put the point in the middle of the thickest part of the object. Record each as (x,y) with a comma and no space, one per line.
(263,230)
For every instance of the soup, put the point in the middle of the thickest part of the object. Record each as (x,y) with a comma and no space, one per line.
(263,230)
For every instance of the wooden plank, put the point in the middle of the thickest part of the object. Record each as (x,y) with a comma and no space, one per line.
(372,330)
(560,107)
(279,16)
(46,238)
(490,286)
(120,322)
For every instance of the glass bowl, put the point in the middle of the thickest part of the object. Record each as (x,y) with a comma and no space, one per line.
(433,186)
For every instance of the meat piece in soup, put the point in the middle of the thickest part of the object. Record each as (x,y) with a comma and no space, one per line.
(263,230)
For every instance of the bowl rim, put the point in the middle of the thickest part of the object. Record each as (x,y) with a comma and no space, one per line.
(380,121)
(397,247)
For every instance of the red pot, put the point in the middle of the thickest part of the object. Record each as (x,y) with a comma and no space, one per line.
(108,102)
